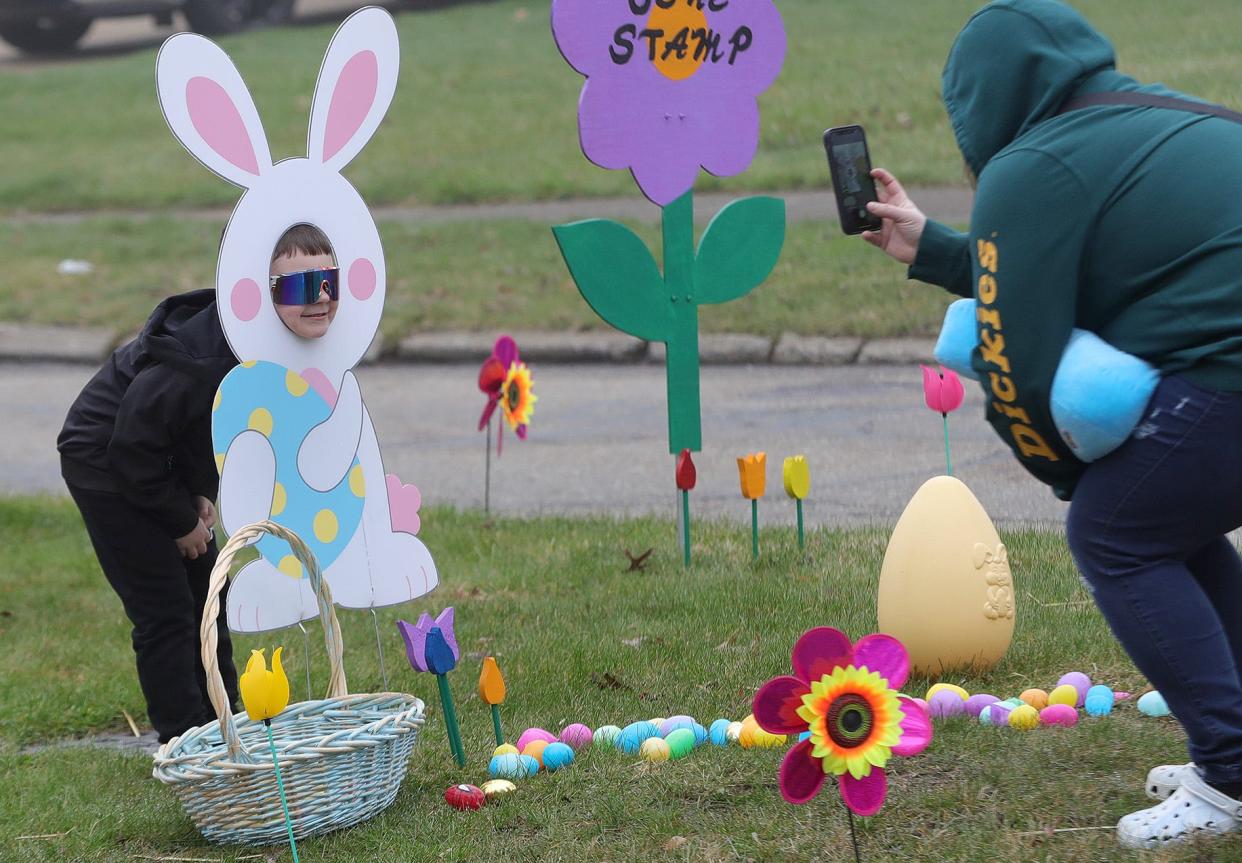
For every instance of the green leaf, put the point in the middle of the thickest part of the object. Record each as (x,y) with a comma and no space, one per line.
(617,276)
(739,249)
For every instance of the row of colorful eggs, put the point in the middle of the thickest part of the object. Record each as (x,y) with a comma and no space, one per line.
(1030,709)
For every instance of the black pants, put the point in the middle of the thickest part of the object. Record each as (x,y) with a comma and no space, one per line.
(163,594)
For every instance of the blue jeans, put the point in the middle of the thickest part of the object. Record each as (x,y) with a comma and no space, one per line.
(1147,528)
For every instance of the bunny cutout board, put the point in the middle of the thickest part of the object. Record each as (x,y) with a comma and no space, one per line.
(293,439)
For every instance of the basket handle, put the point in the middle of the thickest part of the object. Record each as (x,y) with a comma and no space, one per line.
(209,637)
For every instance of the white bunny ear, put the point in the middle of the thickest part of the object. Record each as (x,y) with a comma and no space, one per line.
(209,109)
(356,84)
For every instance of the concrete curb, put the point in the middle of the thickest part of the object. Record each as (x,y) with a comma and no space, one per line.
(37,343)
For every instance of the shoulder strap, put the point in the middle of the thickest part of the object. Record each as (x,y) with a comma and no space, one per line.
(1128,97)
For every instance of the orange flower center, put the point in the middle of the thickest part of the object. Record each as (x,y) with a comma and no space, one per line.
(676,55)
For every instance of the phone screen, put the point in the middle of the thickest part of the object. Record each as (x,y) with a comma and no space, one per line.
(851,178)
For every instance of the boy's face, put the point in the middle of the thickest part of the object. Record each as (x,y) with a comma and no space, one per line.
(309,322)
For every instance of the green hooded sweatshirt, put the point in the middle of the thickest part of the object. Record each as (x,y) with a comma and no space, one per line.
(1125,221)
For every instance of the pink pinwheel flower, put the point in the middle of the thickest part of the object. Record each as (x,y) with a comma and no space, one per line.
(492,376)
(845,695)
(415,637)
(670,86)
(942,391)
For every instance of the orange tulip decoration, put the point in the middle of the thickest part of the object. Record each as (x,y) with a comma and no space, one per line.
(492,691)
(686,478)
(942,391)
(265,694)
(752,471)
(797,479)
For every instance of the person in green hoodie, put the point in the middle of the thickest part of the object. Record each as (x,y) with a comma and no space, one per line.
(1103,208)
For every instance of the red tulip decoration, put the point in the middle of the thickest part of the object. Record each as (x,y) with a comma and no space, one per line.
(943,392)
(686,478)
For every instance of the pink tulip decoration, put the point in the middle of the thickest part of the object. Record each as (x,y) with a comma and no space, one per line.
(943,392)
(846,696)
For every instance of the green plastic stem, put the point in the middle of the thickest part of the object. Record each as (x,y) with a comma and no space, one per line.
(685,525)
(801,534)
(450,720)
(682,355)
(280,786)
(754,527)
(500,737)
(948,462)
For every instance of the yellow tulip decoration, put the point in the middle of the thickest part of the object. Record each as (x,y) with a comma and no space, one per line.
(492,691)
(264,695)
(752,471)
(797,476)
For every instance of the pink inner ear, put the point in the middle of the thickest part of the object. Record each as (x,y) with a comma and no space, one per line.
(245,299)
(361,279)
(217,120)
(351,101)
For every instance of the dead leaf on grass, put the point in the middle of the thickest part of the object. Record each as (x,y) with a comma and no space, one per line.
(675,842)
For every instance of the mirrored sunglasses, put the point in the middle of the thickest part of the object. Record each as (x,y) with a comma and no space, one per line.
(303,288)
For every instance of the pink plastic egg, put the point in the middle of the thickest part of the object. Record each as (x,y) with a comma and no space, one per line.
(576,735)
(531,734)
(1059,714)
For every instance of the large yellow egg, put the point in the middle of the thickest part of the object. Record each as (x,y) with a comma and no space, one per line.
(1064,694)
(654,749)
(1024,718)
(945,587)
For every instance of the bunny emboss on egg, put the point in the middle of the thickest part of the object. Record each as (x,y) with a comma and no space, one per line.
(293,437)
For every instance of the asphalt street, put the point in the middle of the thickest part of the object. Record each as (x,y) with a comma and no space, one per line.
(598,442)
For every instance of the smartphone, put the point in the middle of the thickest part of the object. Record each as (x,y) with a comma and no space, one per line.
(850,164)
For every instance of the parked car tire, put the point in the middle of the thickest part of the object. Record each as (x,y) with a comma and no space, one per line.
(213,17)
(46,35)
(272,11)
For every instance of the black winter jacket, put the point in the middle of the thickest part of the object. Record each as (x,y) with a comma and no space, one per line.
(142,426)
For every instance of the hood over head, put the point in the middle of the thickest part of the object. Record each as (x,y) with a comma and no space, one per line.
(1011,66)
(184,331)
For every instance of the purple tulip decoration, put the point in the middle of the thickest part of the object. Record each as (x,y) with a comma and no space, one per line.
(670,87)
(662,105)
(431,646)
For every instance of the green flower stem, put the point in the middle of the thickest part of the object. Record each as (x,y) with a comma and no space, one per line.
(450,720)
(280,786)
(500,737)
(948,462)
(754,527)
(685,525)
(684,428)
(801,533)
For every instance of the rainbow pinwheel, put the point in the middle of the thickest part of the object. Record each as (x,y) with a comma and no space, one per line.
(846,696)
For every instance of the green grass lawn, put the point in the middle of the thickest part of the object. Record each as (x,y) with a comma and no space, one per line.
(486,107)
(502,275)
(581,640)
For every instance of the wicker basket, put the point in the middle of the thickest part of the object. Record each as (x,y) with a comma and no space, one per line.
(342,759)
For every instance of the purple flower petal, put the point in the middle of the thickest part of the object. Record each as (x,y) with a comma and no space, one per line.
(415,644)
(445,622)
(776,705)
(916,728)
(801,774)
(864,796)
(506,350)
(884,655)
(819,651)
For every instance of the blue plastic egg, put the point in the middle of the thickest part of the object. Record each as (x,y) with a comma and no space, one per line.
(557,755)
(606,735)
(700,734)
(632,736)
(1099,700)
(531,763)
(719,732)
(1153,704)
(508,766)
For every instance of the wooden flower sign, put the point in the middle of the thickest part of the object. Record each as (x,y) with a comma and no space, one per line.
(671,87)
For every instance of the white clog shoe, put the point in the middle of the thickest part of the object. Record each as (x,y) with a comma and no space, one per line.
(1194,809)
(1165,779)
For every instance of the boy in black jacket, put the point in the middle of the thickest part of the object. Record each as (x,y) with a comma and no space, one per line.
(137,456)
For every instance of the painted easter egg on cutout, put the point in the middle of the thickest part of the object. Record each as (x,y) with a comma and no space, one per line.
(946,591)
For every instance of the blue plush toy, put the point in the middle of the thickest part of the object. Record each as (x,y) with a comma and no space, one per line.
(1098,394)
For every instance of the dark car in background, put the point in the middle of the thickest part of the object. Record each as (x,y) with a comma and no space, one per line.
(42,26)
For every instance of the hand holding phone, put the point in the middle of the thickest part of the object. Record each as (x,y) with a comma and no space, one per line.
(850,164)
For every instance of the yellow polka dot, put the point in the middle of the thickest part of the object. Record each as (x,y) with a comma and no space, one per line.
(249,364)
(279,499)
(219,462)
(357,482)
(290,566)
(296,384)
(326,525)
(215,403)
(261,421)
